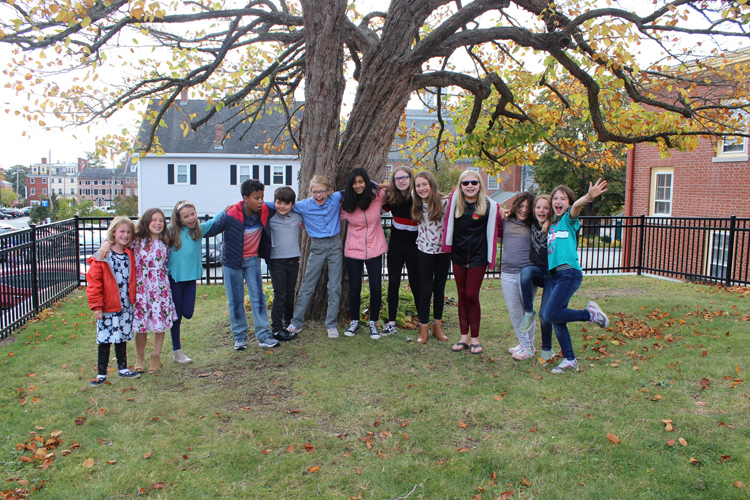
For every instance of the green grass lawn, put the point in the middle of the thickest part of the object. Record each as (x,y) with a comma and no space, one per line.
(357,418)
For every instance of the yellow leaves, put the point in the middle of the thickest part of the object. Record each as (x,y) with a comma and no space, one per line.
(86,21)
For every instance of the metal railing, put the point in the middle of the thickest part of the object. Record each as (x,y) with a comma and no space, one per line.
(42,264)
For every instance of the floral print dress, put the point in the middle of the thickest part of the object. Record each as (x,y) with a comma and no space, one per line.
(154,308)
(116,327)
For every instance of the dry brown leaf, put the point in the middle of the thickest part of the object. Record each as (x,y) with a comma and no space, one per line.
(147,455)
(657,397)
(682,441)
(525,481)
(290,449)
(89,462)
(668,427)
(381,455)
(738,484)
(158,486)
(25,459)
(694,461)
(358,497)
(462,425)
(726,458)
(498,398)
(613,439)
(111,462)
(403,424)
(265,452)
(670,442)
(506,495)
(309,448)
(463,450)
(315,468)
(55,434)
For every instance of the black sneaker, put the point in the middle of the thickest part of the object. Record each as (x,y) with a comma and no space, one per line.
(389,329)
(374,332)
(284,336)
(98,381)
(129,374)
(353,328)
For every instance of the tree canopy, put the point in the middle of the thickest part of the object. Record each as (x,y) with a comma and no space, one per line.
(665,60)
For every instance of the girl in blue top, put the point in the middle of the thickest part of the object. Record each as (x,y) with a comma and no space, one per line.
(185,266)
(565,271)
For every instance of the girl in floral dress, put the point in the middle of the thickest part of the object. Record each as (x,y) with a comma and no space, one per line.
(153,309)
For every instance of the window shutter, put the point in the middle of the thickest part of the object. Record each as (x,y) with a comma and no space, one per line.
(267,175)
(256,172)
(233,175)
(193,174)
(170,173)
(288,175)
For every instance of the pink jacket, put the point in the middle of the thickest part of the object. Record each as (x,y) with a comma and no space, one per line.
(365,238)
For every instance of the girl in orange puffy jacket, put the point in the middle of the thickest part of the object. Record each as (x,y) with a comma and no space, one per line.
(111,294)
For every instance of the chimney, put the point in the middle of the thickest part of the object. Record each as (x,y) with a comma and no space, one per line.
(219,136)
(184,97)
(44,161)
(81,163)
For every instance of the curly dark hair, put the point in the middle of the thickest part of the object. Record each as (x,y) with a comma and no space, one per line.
(351,200)
(250,186)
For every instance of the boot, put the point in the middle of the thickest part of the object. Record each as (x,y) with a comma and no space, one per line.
(437,330)
(155,363)
(140,360)
(424,332)
(179,357)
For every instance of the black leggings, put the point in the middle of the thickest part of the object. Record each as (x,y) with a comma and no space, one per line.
(375,275)
(433,273)
(400,253)
(121,353)
(183,295)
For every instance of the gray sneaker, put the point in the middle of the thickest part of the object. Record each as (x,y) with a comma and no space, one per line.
(374,332)
(240,345)
(527,323)
(566,365)
(269,342)
(353,329)
(597,315)
(389,329)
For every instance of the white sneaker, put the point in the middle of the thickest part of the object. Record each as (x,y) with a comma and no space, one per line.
(353,329)
(333,333)
(514,350)
(547,355)
(566,365)
(389,329)
(522,354)
(293,329)
(374,332)
(597,315)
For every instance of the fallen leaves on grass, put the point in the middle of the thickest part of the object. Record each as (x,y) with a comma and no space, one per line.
(668,425)
(158,486)
(705,383)
(694,461)
(670,442)
(682,441)
(314,468)
(613,439)
(88,463)
(308,447)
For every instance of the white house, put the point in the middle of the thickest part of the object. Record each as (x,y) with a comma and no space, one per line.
(207,171)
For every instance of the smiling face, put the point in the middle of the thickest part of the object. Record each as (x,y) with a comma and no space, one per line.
(358,185)
(523,211)
(560,203)
(402,180)
(422,187)
(541,210)
(283,207)
(470,187)
(319,193)
(253,202)
(122,237)
(156,226)
(188,217)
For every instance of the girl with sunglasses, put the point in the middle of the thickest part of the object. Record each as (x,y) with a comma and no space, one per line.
(472,226)
(402,244)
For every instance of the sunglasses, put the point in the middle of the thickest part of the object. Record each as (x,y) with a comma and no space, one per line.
(469,183)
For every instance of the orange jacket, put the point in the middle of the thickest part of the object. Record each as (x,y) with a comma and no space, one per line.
(102,287)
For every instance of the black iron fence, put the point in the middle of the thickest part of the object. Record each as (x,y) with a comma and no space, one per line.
(42,264)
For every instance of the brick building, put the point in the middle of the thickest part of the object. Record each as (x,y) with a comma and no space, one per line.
(103,185)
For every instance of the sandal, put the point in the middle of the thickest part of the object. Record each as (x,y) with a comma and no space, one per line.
(476,349)
(463,346)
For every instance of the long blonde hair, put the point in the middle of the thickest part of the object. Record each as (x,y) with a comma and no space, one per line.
(481,203)
(175,225)
(118,221)
(434,200)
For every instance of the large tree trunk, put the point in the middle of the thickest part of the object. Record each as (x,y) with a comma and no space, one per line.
(324,91)
(382,95)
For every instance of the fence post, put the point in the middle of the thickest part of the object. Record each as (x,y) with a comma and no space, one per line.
(34,274)
(730,251)
(78,249)
(641,243)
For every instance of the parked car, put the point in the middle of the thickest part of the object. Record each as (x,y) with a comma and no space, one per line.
(5,216)
(13,212)
(26,211)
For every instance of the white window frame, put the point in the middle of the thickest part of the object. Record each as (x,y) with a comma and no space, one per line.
(717,260)
(32,191)
(493,182)
(44,190)
(181,173)
(277,170)
(243,173)
(666,196)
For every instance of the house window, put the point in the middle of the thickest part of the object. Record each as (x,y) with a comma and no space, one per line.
(31,181)
(717,261)
(182,174)
(44,190)
(132,167)
(473,169)
(72,190)
(32,191)
(244,173)
(492,182)
(661,191)
(733,146)
(127,192)
(388,172)
(278,175)
(59,190)
(127,181)
(44,180)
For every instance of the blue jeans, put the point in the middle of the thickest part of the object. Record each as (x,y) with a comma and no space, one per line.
(564,285)
(233,283)
(537,276)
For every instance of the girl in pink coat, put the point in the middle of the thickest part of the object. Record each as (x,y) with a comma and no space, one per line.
(365,245)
